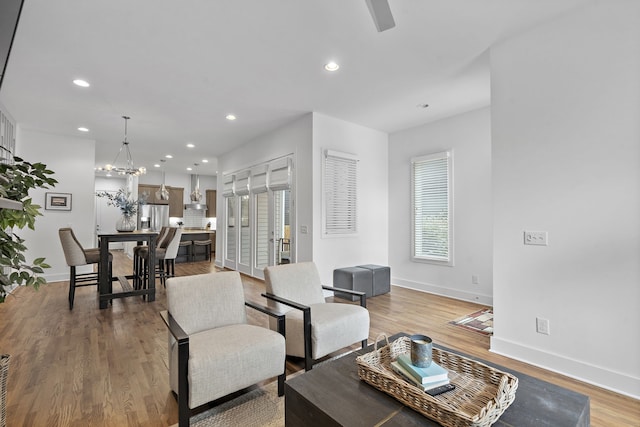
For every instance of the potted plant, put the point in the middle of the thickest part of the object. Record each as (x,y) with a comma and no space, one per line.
(128,207)
(18,212)
(15,182)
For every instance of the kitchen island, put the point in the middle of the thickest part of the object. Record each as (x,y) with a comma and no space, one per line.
(190,252)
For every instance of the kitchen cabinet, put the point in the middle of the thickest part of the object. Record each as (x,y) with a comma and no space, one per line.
(211,203)
(176,201)
(150,192)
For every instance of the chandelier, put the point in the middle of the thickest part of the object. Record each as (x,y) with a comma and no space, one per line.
(128,168)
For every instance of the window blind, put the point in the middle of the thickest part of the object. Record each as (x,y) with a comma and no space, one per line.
(431,182)
(241,186)
(279,174)
(339,193)
(259,179)
(227,188)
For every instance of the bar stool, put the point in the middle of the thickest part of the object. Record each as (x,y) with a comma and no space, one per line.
(142,275)
(167,258)
(139,253)
(188,244)
(206,244)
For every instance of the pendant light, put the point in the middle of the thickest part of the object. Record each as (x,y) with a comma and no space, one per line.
(128,168)
(162,193)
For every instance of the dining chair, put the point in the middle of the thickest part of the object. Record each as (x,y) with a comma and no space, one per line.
(77,256)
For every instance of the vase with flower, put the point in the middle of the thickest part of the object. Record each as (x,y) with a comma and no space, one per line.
(128,207)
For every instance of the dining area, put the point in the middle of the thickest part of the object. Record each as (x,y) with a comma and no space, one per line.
(153,257)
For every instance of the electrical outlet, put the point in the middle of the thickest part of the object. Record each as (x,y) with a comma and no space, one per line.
(535,238)
(475,279)
(304,229)
(542,326)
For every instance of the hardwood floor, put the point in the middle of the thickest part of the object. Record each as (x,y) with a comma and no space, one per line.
(109,367)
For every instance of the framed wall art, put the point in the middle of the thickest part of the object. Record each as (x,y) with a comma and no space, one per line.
(57,201)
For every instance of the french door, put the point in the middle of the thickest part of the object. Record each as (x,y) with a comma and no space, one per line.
(272,235)
(259,218)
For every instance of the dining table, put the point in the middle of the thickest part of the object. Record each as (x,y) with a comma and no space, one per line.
(105,283)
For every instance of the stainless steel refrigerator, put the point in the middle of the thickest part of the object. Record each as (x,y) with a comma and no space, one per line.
(154,217)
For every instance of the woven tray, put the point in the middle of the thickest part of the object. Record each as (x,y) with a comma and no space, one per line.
(481,395)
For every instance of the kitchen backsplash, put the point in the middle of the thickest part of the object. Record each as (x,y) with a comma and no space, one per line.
(194,218)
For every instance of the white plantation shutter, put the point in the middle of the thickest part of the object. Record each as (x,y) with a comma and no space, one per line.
(431,185)
(339,193)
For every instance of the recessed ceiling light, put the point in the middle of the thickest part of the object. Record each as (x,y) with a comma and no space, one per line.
(81,83)
(230,117)
(422,105)
(190,145)
(83,129)
(157,165)
(331,66)
(189,169)
(205,161)
(169,156)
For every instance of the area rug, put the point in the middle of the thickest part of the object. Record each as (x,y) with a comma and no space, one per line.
(260,407)
(257,408)
(480,321)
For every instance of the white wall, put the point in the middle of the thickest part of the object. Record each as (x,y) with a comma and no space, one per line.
(371,244)
(566,160)
(71,159)
(469,135)
(294,138)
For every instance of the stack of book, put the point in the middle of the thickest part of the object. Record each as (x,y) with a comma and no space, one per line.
(425,378)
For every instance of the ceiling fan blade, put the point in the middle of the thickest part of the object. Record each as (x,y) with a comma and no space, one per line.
(381,14)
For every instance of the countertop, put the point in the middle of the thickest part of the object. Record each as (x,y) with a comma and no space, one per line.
(196,231)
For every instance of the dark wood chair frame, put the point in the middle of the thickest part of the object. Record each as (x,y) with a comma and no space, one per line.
(306,318)
(184,412)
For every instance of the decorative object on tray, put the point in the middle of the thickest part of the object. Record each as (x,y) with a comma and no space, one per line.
(480,321)
(481,394)
(421,346)
(404,373)
(430,374)
(128,207)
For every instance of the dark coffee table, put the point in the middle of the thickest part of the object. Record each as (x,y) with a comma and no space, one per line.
(332,394)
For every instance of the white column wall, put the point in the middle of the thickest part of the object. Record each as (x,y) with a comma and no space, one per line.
(72,160)
(295,138)
(566,160)
(371,244)
(469,135)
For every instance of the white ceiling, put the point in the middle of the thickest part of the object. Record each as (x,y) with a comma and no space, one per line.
(179,67)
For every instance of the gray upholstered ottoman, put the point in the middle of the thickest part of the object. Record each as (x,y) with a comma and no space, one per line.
(381,278)
(355,279)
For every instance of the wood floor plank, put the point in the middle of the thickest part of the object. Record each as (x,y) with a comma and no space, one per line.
(109,367)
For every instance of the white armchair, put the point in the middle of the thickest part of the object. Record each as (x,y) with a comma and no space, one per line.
(314,327)
(212,350)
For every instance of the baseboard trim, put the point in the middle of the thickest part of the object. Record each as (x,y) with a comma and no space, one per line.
(446,292)
(591,374)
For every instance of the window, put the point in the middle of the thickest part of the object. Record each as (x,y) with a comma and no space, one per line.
(339,194)
(432,208)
